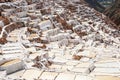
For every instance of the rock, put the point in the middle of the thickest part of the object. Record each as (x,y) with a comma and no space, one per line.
(12,66)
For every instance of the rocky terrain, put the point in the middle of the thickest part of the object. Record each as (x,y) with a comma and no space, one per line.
(111,8)
(57,40)
(96,5)
(113,12)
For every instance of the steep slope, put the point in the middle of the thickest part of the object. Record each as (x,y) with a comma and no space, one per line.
(95,4)
(113,12)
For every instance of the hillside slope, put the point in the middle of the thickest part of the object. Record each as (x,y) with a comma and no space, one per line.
(96,5)
(113,12)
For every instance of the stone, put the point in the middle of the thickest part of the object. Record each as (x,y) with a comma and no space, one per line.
(12,66)
(48,76)
(3,60)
